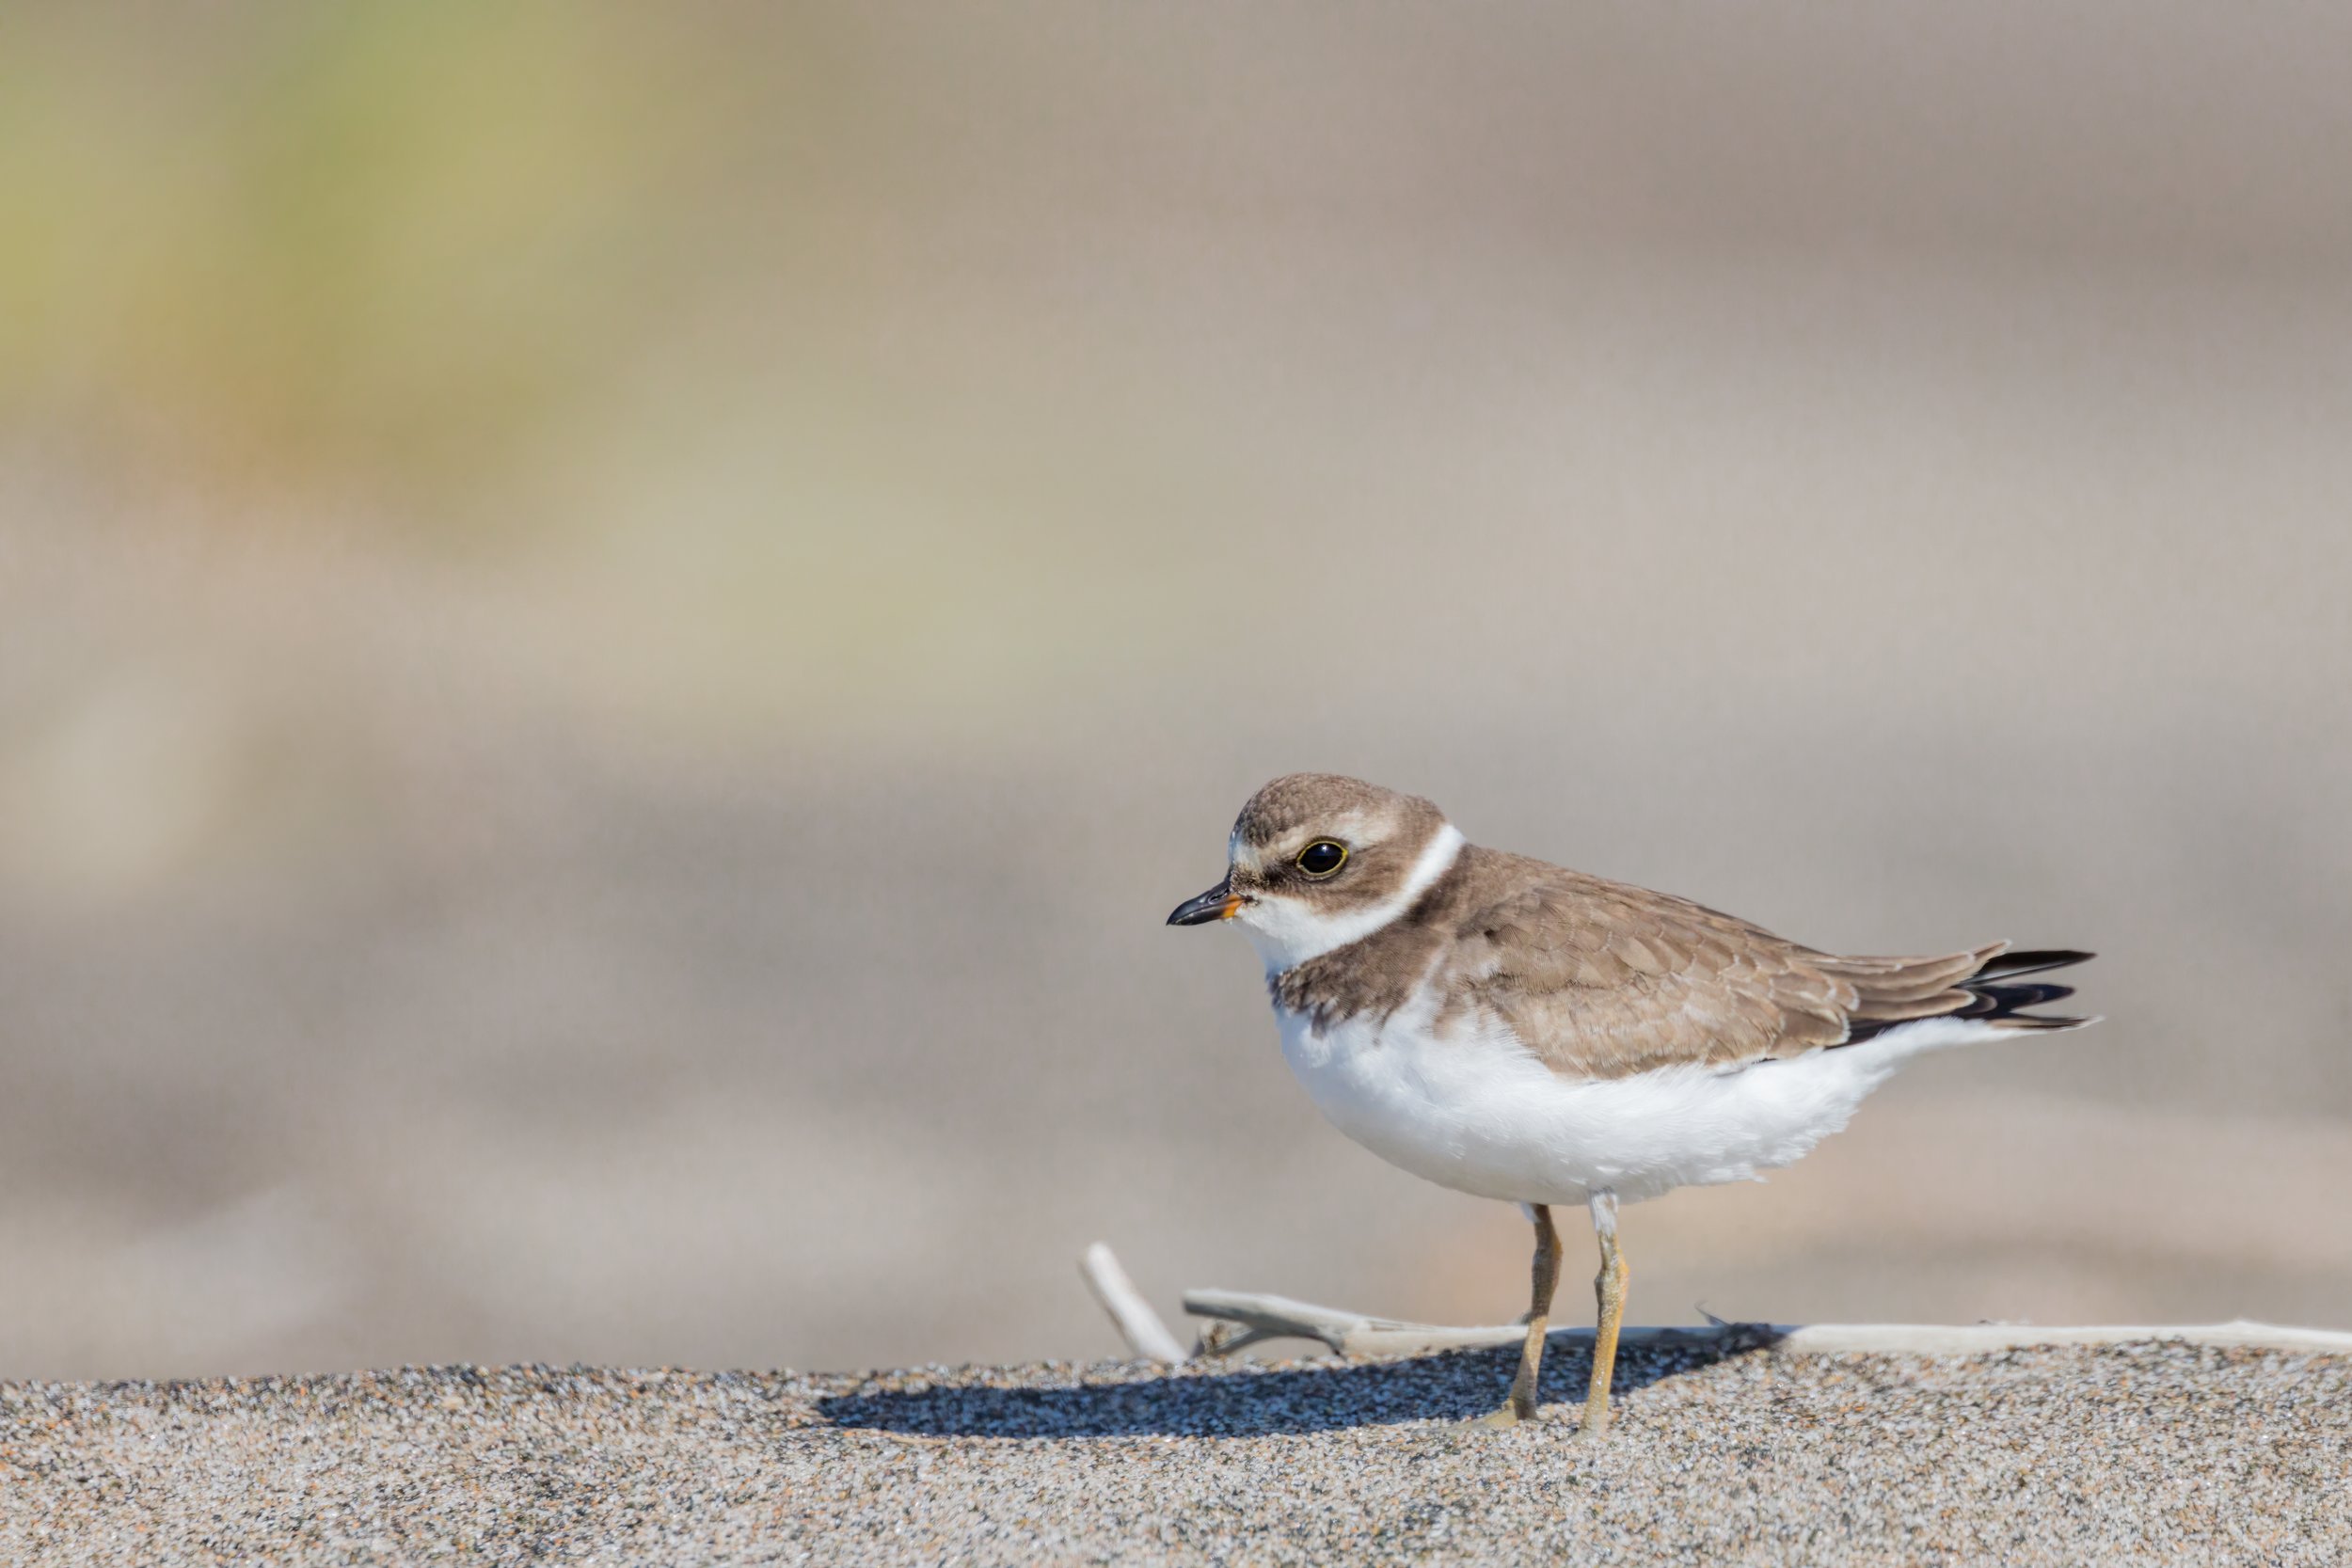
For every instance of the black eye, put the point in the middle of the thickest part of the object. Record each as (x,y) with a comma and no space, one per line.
(1322,857)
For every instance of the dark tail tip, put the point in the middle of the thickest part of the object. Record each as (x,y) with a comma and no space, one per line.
(1997,1001)
(2010,965)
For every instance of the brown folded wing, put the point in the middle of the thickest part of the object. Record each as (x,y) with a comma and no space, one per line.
(1602,979)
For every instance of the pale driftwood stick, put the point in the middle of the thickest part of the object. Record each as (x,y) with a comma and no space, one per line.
(1356,1334)
(1971,1339)
(1266,1317)
(1142,1327)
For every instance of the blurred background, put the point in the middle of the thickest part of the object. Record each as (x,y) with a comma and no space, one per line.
(618,626)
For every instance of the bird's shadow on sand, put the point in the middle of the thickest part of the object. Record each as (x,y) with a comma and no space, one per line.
(1247,1401)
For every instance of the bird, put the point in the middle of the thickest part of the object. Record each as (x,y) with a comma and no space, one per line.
(1519,1031)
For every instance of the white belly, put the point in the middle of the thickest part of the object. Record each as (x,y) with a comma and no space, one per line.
(1477,1112)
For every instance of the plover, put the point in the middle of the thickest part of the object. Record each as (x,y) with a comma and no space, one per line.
(1519,1031)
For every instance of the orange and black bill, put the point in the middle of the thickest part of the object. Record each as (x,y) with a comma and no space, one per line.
(1218,903)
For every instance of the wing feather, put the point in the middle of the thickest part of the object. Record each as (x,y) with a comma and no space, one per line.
(1604,979)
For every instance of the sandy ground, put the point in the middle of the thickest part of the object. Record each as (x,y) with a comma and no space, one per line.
(2131,1453)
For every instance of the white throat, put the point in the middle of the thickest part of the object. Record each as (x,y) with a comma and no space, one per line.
(1286,933)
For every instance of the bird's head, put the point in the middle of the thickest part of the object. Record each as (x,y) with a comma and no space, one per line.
(1317,860)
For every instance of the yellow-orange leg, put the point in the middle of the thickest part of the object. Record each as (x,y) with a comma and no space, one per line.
(1609,1290)
(1520,1406)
